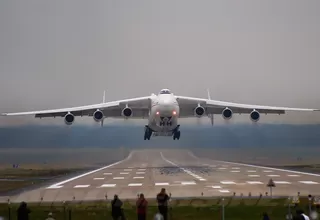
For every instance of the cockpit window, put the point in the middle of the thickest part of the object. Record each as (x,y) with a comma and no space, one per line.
(165,91)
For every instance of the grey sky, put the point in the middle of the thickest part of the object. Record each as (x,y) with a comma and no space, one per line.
(59,53)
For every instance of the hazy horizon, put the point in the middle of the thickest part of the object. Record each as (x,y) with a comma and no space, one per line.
(56,54)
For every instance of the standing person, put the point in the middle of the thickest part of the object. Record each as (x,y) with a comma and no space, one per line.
(23,212)
(116,208)
(142,204)
(50,216)
(265,216)
(162,199)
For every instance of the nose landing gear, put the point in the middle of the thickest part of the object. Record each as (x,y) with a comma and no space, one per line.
(147,133)
(176,133)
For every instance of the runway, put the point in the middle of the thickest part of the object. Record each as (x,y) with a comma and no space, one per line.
(181,173)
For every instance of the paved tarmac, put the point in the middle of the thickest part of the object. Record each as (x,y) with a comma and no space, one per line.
(180,172)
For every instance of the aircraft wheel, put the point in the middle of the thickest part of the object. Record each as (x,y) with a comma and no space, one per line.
(178,135)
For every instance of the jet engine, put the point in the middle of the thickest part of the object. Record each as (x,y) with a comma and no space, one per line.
(254,116)
(227,113)
(199,111)
(98,115)
(126,112)
(69,118)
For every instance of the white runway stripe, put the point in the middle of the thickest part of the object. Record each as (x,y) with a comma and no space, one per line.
(81,186)
(107,173)
(273,175)
(141,169)
(188,183)
(222,168)
(253,175)
(140,172)
(162,184)
(98,178)
(215,187)
(251,171)
(309,182)
(201,179)
(124,173)
(118,178)
(127,170)
(227,182)
(135,184)
(235,171)
(294,175)
(138,177)
(254,182)
(224,191)
(107,185)
(281,182)
(54,187)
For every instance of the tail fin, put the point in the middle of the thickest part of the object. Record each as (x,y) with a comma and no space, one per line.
(209,97)
(104,96)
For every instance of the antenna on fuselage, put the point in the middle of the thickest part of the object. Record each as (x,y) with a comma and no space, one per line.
(210,115)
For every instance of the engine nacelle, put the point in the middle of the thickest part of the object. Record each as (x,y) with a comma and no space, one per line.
(98,115)
(227,113)
(69,119)
(199,111)
(254,116)
(127,112)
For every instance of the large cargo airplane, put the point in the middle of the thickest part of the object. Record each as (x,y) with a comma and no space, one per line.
(162,111)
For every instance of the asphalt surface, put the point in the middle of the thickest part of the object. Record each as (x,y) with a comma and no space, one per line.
(180,172)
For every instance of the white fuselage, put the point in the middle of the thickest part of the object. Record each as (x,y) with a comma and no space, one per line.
(164,113)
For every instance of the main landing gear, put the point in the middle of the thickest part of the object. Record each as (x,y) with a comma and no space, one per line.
(176,133)
(147,133)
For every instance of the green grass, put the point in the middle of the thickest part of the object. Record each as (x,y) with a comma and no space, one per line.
(235,209)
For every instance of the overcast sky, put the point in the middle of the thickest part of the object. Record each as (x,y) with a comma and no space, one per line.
(60,53)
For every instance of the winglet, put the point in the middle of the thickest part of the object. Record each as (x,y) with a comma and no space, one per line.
(209,97)
(104,96)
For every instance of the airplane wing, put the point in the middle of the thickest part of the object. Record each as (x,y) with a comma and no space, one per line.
(189,104)
(139,106)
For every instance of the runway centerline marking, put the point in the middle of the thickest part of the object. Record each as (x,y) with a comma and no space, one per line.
(183,169)
(91,172)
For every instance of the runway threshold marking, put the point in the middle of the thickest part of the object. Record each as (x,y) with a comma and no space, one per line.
(261,167)
(81,186)
(107,185)
(135,184)
(309,182)
(183,169)
(138,177)
(161,184)
(91,172)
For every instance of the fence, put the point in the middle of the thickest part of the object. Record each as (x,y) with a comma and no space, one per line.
(197,208)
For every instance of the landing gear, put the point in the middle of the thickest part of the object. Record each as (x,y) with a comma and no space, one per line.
(147,133)
(176,135)
(165,123)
